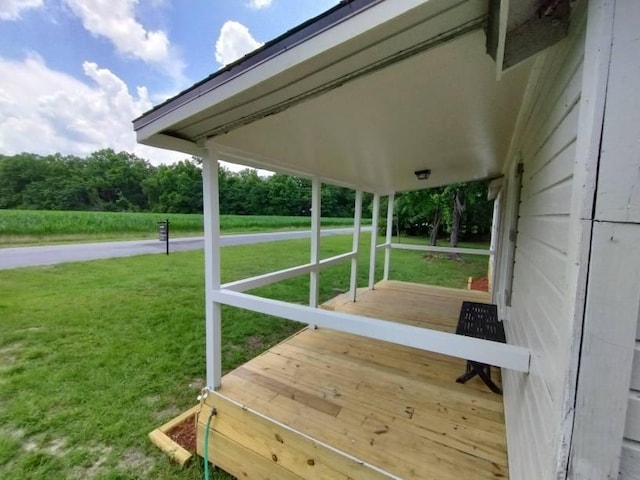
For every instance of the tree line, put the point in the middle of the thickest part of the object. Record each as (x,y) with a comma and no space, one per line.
(120,181)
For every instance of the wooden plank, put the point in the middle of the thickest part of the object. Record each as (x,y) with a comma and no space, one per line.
(555,201)
(314,276)
(630,461)
(618,197)
(552,231)
(355,246)
(556,169)
(377,440)
(399,408)
(284,447)
(412,412)
(388,237)
(635,369)
(375,217)
(283,389)
(309,369)
(546,259)
(211,214)
(607,350)
(632,424)
(433,290)
(412,304)
(398,372)
(431,248)
(239,460)
(165,443)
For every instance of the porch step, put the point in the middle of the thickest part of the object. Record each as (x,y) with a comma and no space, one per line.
(248,445)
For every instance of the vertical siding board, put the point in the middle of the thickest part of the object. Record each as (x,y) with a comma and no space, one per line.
(605,405)
(635,369)
(632,422)
(630,461)
(619,181)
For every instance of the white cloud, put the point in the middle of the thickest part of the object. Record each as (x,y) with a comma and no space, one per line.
(11,9)
(258,4)
(234,41)
(45,111)
(115,20)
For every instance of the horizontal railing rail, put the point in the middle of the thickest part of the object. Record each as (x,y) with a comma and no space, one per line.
(264,237)
(279,275)
(493,353)
(431,248)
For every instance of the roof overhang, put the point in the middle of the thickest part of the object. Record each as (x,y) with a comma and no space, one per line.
(362,96)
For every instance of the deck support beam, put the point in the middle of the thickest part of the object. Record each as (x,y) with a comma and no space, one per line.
(375,214)
(357,223)
(316,207)
(211,209)
(387,250)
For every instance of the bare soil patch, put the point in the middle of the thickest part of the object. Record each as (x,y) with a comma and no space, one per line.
(184,434)
(480,284)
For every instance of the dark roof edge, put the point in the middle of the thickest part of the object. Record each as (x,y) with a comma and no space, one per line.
(298,34)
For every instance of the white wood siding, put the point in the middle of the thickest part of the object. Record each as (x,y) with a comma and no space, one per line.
(619,200)
(617,228)
(538,317)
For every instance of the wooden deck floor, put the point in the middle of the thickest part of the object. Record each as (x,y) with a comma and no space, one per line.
(364,409)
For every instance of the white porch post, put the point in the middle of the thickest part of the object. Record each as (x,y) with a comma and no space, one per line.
(387,249)
(375,213)
(211,208)
(357,221)
(495,233)
(314,284)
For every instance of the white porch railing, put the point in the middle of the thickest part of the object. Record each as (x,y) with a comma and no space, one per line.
(493,353)
(273,277)
(499,354)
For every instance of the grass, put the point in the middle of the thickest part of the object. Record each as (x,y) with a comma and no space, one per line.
(94,355)
(23,227)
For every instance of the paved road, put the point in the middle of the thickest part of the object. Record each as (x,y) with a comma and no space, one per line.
(53,254)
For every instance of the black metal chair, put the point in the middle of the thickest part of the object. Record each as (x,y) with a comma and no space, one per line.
(480,320)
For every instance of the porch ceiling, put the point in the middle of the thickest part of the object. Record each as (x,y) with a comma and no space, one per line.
(395,88)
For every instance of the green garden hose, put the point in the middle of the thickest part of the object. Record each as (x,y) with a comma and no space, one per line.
(206,444)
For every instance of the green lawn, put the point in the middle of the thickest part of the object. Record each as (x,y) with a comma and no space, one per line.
(94,355)
(28,227)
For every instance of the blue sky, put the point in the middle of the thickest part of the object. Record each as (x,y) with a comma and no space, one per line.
(74,73)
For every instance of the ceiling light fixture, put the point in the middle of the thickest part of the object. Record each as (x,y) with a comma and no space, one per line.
(423,174)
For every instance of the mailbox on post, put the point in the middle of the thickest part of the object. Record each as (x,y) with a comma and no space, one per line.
(163,233)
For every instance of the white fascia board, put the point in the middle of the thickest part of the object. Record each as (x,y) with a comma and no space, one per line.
(485,351)
(337,34)
(174,143)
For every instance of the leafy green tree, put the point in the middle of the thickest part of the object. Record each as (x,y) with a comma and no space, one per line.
(175,188)
(114,180)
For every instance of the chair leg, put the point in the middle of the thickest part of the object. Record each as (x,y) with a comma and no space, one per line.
(469,374)
(483,371)
(485,375)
